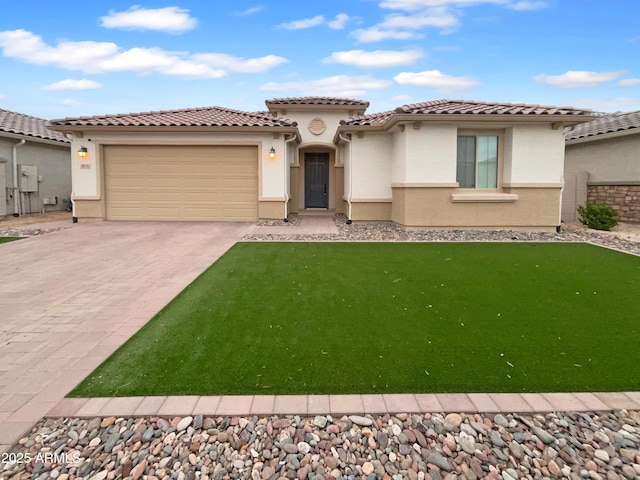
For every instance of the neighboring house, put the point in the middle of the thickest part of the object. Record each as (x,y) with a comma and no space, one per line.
(35,171)
(446,163)
(602,163)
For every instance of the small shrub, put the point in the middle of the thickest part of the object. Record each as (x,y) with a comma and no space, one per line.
(598,215)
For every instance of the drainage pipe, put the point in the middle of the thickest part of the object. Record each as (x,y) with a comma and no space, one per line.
(286,176)
(16,197)
(348,140)
(559,226)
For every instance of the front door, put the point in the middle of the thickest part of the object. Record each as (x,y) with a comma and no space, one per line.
(316,180)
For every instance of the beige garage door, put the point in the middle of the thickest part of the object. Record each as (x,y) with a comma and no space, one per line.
(181,182)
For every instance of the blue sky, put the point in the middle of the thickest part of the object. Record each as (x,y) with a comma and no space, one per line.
(85,57)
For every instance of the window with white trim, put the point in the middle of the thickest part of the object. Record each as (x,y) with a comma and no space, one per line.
(477,162)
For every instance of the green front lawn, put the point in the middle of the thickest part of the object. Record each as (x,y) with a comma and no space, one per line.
(318,318)
(9,239)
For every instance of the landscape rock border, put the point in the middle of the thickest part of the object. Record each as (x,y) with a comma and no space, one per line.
(401,446)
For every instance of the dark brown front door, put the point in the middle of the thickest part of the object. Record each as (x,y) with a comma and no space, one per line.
(316,180)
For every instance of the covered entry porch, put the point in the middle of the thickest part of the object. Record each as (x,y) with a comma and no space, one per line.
(316,181)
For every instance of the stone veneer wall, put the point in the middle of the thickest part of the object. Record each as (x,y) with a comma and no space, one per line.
(624,198)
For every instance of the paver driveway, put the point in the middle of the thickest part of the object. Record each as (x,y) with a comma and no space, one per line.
(68,299)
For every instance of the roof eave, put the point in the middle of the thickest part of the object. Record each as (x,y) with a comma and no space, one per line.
(563,119)
(603,136)
(356,109)
(173,129)
(33,138)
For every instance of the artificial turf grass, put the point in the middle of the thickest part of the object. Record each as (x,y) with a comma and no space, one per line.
(9,239)
(318,318)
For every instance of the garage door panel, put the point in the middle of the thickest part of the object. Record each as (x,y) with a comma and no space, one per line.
(181,182)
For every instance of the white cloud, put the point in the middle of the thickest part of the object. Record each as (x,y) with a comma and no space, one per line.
(249,11)
(70,84)
(100,57)
(435,79)
(578,79)
(437,18)
(339,22)
(167,19)
(72,55)
(339,85)
(629,82)
(304,23)
(400,98)
(71,102)
(375,59)
(3,96)
(239,64)
(374,34)
(441,14)
(527,5)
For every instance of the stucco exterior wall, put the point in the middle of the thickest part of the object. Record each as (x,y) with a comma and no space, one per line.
(536,154)
(54,168)
(603,161)
(87,172)
(371,166)
(331,119)
(430,153)
(421,160)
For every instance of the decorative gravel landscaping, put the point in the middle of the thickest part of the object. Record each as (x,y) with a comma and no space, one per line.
(288,318)
(427,446)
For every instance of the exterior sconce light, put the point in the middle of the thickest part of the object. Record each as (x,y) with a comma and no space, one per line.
(83,152)
(272,153)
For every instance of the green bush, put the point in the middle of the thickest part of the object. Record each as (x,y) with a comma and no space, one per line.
(598,215)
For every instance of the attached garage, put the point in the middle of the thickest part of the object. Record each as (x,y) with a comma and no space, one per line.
(181,182)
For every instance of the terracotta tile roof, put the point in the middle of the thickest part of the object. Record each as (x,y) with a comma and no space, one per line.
(614,122)
(347,102)
(20,124)
(464,107)
(189,117)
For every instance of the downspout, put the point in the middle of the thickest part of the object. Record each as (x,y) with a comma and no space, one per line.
(348,140)
(74,218)
(286,187)
(559,226)
(16,193)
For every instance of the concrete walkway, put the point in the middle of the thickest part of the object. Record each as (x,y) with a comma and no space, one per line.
(309,225)
(70,298)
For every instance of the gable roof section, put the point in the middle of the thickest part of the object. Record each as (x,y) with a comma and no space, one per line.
(463,108)
(343,106)
(336,101)
(28,126)
(189,117)
(619,123)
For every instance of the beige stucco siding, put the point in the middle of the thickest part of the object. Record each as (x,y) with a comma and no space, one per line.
(614,160)
(421,160)
(534,153)
(535,209)
(88,173)
(371,166)
(430,153)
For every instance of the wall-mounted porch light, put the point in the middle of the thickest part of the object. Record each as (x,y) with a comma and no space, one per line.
(272,153)
(83,152)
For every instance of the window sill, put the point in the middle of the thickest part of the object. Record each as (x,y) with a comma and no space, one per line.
(483,197)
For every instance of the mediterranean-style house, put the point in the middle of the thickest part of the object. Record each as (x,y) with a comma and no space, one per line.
(602,164)
(35,170)
(437,164)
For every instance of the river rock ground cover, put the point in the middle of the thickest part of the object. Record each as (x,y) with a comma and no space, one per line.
(430,446)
